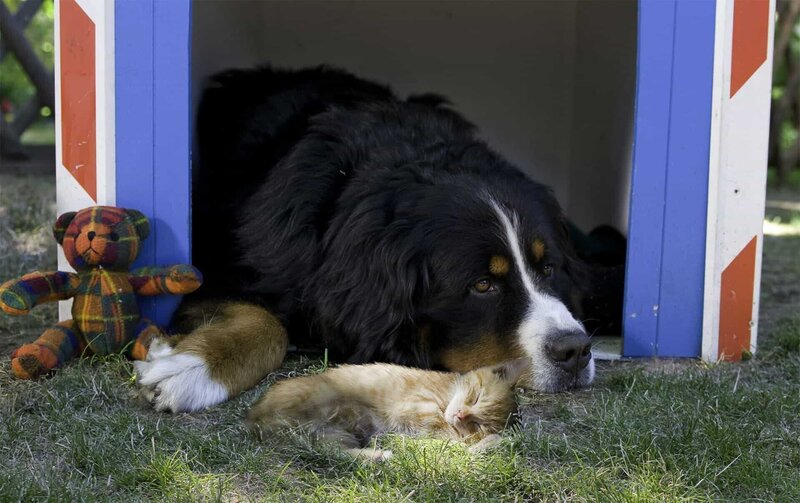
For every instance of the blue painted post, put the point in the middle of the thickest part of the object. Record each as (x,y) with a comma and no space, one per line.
(669,189)
(152,80)
(645,227)
(680,329)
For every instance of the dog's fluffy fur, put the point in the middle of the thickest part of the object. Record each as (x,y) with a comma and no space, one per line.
(379,228)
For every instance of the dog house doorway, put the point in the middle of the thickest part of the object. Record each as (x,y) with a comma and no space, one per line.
(549,84)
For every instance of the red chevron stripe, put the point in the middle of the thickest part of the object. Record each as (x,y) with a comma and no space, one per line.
(78,124)
(750,38)
(736,304)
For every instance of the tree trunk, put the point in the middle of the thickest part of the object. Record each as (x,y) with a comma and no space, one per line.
(784,108)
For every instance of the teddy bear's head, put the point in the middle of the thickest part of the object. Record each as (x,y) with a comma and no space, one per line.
(101,236)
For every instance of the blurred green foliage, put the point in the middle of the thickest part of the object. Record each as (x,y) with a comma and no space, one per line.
(14,83)
(789,128)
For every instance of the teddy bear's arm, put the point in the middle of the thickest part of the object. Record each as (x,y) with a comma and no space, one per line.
(18,296)
(178,280)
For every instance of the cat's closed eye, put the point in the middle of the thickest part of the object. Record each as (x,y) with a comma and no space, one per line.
(477,398)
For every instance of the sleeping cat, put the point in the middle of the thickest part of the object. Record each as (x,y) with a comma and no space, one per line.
(350,404)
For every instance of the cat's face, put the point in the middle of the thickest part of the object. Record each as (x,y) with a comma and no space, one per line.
(484,399)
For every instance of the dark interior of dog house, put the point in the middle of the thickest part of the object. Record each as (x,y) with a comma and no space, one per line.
(549,84)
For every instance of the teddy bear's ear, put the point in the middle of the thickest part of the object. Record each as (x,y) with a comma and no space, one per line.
(141,223)
(60,227)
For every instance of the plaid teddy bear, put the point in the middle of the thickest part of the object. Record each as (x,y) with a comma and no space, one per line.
(100,243)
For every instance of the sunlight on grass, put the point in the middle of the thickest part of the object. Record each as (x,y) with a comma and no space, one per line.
(699,434)
(171,477)
(777,227)
(783,218)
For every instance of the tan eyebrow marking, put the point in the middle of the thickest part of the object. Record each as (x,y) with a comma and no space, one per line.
(499,265)
(538,249)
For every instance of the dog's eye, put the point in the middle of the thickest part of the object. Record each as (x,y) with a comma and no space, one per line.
(114,236)
(547,270)
(484,285)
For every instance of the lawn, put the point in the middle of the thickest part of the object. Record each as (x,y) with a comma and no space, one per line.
(647,431)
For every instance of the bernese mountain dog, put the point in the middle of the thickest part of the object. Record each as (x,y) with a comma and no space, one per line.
(331,214)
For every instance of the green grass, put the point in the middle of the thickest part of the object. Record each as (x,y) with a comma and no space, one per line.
(685,433)
(27,213)
(659,430)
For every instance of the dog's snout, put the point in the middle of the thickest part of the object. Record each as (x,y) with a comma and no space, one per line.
(91,235)
(571,351)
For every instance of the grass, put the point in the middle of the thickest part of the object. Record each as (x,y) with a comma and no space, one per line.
(27,213)
(662,430)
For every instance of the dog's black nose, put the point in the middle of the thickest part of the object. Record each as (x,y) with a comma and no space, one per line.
(571,351)
(91,235)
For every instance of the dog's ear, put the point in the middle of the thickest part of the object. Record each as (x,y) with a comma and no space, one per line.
(369,288)
(574,284)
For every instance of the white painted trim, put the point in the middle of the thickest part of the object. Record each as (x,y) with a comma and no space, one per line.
(57,74)
(737,173)
(70,196)
(722,37)
(105,110)
(64,307)
(102,15)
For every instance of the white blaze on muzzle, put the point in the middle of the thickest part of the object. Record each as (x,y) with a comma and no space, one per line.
(546,316)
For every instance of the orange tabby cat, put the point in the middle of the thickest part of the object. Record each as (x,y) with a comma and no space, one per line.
(352,403)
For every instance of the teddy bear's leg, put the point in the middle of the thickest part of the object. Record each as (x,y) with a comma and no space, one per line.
(52,349)
(146,331)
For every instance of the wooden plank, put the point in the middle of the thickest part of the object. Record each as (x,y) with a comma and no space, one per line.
(153,130)
(683,259)
(78,95)
(666,247)
(134,119)
(172,172)
(648,182)
(736,304)
(738,178)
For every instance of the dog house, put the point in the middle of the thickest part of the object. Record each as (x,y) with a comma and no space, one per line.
(651,116)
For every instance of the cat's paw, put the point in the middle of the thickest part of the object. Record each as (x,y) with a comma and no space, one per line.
(488,442)
(371,455)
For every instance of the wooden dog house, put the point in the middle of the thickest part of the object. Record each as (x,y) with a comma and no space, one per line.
(650,115)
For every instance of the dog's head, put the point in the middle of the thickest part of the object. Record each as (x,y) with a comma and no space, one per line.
(442,271)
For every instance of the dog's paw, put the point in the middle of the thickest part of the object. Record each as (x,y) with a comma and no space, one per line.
(173,381)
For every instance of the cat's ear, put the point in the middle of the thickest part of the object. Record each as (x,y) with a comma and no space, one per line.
(512,370)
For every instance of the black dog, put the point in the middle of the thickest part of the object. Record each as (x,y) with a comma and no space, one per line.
(333,214)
